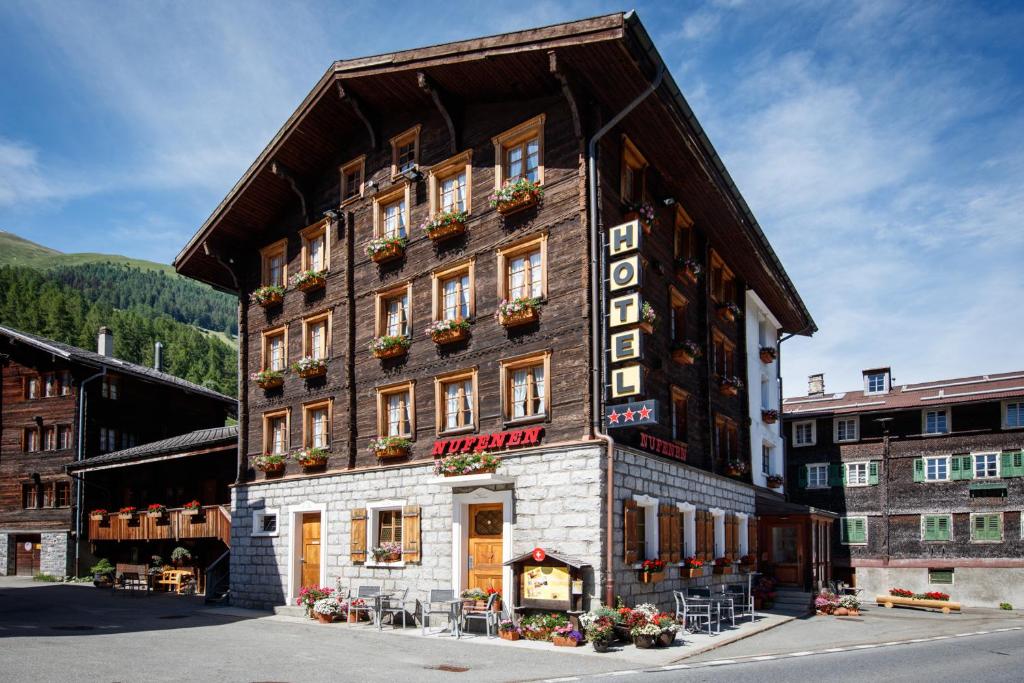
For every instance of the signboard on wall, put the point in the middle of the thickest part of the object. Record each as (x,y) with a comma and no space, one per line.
(546,582)
(515,438)
(634,414)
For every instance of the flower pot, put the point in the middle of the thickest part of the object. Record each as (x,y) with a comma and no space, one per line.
(155,515)
(853,612)
(192,512)
(841,612)
(767,357)
(645,642)
(666,638)
(683,357)
(635,216)
(313,464)
(769,418)
(723,570)
(509,635)
(601,645)
(353,617)
(692,572)
(389,253)
(271,300)
(391,352)
(726,314)
(646,328)
(312,284)
(562,641)
(523,317)
(728,390)
(449,336)
(518,203)
(316,371)
(446,231)
(274,468)
(392,452)
(126,515)
(652,577)
(324,618)
(272,383)
(496,605)
(623,634)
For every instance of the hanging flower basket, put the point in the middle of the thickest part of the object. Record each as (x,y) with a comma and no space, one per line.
(769,416)
(644,213)
(308,367)
(390,346)
(729,386)
(385,249)
(309,280)
(267,295)
(271,463)
(686,353)
(518,311)
(311,458)
(648,317)
(774,481)
(729,312)
(445,225)
(268,379)
(768,354)
(689,269)
(517,196)
(390,447)
(448,331)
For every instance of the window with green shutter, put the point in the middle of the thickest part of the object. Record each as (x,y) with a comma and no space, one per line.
(853,530)
(1012,464)
(962,467)
(987,527)
(873,473)
(936,528)
(919,469)
(941,576)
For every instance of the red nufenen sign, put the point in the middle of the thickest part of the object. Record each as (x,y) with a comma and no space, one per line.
(662,447)
(517,438)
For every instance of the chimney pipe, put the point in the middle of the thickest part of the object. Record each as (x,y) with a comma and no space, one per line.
(105,342)
(158,357)
(816,385)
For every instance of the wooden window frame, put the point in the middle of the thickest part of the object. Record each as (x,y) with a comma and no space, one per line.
(266,417)
(856,429)
(729,348)
(949,468)
(31,490)
(278,247)
(345,170)
(814,433)
(678,393)
(721,421)
(49,430)
(949,527)
(441,171)
(524,131)
(677,300)
(817,487)
(844,536)
(440,403)
(49,379)
(504,254)
(437,280)
(385,199)
(57,487)
(947,410)
(1002,527)
(29,382)
(307,323)
(64,429)
(108,382)
(683,234)
(25,438)
(848,469)
(307,421)
(380,308)
(383,392)
(266,336)
(632,159)
(506,365)
(726,291)
(399,141)
(1004,410)
(310,233)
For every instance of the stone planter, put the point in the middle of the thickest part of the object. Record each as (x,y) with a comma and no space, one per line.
(519,203)
(309,373)
(683,357)
(392,452)
(271,383)
(666,638)
(509,635)
(446,231)
(312,284)
(645,642)
(523,317)
(391,352)
(449,336)
(389,253)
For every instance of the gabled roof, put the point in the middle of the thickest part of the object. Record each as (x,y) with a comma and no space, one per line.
(611,57)
(979,388)
(96,360)
(574,562)
(192,443)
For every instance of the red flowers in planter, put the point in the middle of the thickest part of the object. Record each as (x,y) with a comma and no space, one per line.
(652,566)
(901,593)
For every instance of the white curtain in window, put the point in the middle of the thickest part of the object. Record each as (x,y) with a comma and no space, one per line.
(394,219)
(398,414)
(319,431)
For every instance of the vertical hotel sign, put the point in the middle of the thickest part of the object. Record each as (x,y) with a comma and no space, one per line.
(626,380)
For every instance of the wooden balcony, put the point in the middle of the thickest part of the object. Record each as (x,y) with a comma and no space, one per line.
(213,521)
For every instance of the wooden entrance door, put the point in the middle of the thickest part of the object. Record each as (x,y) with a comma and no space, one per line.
(484,546)
(310,549)
(27,553)
(786,553)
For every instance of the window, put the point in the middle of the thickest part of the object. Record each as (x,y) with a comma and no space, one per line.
(316,425)
(524,269)
(727,439)
(405,151)
(688,529)
(525,383)
(29,496)
(384,524)
(875,383)
(684,247)
(936,527)
(936,469)
(646,528)
(680,415)
(394,315)
(723,283)
(766,393)
(274,264)
(766,458)
(64,436)
(677,323)
(30,440)
(856,474)
(315,249)
(65,383)
(127,440)
(723,354)
(853,530)
(817,476)
(845,429)
(453,292)
(50,385)
(941,576)
(352,180)
(396,410)
(632,187)
(986,465)
(391,213)
(805,433)
(275,432)
(49,438)
(455,399)
(519,153)
(110,387)
(62,494)
(275,349)
(450,184)
(987,527)
(108,440)
(32,387)
(718,517)
(316,336)
(1013,415)
(264,523)
(936,421)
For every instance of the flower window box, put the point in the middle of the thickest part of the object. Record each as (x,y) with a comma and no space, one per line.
(723,566)
(390,447)
(309,280)
(644,213)
(517,196)
(689,269)
(736,468)
(648,317)
(518,311)
(98,515)
(311,458)
(729,312)
(729,386)
(686,353)
(693,568)
(310,367)
(652,571)
(769,416)
(768,354)
(156,511)
(774,481)
(127,512)
(462,464)
(271,463)
(390,346)
(445,225)
(268,379)
(448,331)
(268,295)
(192,508)
(384,249)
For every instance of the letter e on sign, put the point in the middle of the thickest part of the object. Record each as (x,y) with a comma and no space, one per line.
(625,273)
(624,238)
(626,345)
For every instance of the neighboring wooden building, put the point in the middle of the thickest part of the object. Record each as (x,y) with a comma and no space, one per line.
(378,148)
(42,415)
(927,478)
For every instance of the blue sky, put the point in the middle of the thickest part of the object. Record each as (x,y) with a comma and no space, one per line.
(880,144)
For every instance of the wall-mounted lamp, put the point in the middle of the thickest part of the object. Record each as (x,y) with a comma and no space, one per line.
(331,214)
(413,175)
(668,201)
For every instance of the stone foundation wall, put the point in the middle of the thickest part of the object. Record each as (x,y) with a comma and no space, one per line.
(971,587)
(6,554)
(56,554)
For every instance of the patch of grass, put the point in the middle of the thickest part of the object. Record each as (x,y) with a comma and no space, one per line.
(48,578)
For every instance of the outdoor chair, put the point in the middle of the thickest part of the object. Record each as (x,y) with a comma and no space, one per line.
(698,593)
(489,616)
(368,594)
(394,606)
(132,584)
(693,611)
(743,601)
(439,601)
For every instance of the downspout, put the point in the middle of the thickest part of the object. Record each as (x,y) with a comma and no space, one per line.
(79,457)
(596,332)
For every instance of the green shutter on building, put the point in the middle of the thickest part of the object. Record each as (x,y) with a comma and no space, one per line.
(801,476)
(836,474)
(853,530)
(962,468)
(936,528)
(919,469)
(987,528)
(873,473)
(1012,464)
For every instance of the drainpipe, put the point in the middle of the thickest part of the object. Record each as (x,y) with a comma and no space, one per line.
(597,329)
(79,456)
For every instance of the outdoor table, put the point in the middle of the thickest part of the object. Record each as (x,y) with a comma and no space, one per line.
(719,599)
(378,609)
(456,616)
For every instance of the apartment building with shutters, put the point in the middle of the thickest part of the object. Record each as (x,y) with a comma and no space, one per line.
(927,480)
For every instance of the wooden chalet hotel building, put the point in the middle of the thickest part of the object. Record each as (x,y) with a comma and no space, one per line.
(381,145)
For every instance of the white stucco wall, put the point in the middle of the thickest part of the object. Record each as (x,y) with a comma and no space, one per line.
(761,328)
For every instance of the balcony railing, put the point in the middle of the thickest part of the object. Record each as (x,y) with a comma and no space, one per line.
(212,521)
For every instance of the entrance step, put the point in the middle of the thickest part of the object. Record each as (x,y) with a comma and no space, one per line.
(791,602)
(290,610)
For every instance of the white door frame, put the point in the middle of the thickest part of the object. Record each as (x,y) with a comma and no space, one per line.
(460,534)
(295,513)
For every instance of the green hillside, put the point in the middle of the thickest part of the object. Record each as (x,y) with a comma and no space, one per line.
(18,251)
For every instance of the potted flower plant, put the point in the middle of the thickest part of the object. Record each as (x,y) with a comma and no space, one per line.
(326,610)
(652,571)
(723,565)
(390,446)
(385,249)
(643,212)
(127,512)
(645,635)
(102,574)
(448,331)
(388,551)
(445,224)
(689,269)
(729,312)
(729,386)
(354,617)
(515,196)
(180,556)
(459,464)
(390,346)
(648,316)
(736,468)
(307,367)
(851,604)
(825,603)
(668,626)
(507,630)
(686,352)
(566,636)
(600,632)
(271,463)
(191,508)
(518,311)
(267,295)
(156,510)
(774,481)
(541,626)
(268,379)
(309,458)
(98,515)
(308,596)
(496,605)
(768,354)
(769,416)
(474,600)
(309,280)
(693,567)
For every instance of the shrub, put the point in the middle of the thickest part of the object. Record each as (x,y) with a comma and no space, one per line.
(102,567)
(180,554)
(1005,605)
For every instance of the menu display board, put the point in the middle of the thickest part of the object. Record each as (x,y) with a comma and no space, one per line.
(546,583)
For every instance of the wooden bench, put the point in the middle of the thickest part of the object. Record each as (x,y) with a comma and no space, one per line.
(946,606)
(175,579)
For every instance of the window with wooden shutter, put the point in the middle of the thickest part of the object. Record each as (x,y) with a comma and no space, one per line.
(1012,464)
(709,536)
(961,467)
(631,531)
(853,530)
(675,533)
(668,533)
(873,473)
(411,551)
(936,528)
(357,542)
(918,469)
(700,530)
(987,527)
(752,537)
(730,536)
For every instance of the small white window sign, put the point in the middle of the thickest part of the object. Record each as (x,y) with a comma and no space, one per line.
(264,522)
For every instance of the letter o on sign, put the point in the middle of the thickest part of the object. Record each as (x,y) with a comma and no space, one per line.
(623,273)
(539,555)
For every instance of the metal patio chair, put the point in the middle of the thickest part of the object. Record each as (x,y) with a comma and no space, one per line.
(393,605)
(368,594)
(693,611)
(489,616)
(743,601)
(439,601)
